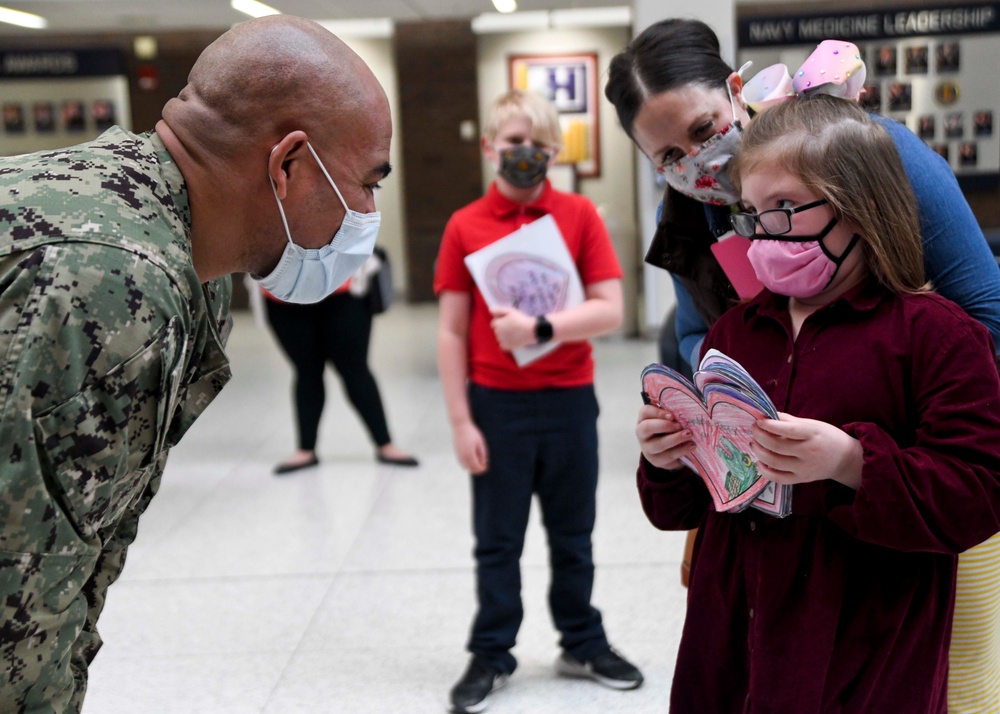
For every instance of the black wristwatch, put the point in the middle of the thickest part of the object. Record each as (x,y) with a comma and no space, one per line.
(543,330)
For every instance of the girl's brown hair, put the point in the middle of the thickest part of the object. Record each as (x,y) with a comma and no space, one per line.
(843,155)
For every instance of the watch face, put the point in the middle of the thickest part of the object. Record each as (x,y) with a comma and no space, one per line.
(543,329)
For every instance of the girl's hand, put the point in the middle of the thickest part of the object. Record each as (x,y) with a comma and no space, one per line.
(512,328)
(797,450)
(662,439)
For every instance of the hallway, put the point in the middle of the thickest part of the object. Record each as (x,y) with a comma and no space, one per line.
(348,588)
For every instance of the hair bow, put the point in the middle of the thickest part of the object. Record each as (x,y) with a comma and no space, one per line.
(834,67)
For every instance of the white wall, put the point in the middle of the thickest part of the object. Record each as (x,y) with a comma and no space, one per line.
(378,55)
(613,191)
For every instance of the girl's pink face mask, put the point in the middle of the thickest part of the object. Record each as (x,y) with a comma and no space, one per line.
(796,266)
(799,270)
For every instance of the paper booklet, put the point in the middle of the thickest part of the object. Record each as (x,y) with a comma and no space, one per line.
(719,408)
(530,269)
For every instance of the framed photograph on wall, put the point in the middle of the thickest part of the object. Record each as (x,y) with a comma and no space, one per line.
(941,150)
(968,155)
(13,118)
(74,118)
(925,126)
(885,60)
(103,111)
(948,57)
(871,98)
(900,97)
(569,81)
(953,125)
(45,117)
(915,60)
(982,123)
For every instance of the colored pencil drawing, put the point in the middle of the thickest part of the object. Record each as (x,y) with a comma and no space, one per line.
(531,283)
(719,409)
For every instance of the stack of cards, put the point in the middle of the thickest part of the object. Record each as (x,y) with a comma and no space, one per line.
(719,409)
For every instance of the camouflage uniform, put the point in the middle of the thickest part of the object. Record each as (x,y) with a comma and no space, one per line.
(109,349)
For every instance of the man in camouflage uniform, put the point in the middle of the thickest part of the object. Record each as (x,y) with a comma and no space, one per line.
(114,309)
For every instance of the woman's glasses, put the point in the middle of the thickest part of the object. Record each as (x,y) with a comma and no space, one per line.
(775,222)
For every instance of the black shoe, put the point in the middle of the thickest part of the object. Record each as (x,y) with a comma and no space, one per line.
(609,668)
(287,467)
(468,696)
(397,460)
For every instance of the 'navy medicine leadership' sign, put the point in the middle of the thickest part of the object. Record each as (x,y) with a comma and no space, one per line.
(897,23)
(34,64)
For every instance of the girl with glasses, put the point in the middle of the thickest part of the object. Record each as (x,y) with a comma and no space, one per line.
(889,435)
(675,96)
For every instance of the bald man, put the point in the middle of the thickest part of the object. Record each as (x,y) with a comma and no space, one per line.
(114,308)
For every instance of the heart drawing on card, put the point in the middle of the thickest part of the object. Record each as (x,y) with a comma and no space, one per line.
(531,283)
(720,424)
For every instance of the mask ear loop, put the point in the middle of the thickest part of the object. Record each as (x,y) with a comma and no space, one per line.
(325,173)
(855,239)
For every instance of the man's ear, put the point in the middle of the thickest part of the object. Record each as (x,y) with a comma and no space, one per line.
(281,161)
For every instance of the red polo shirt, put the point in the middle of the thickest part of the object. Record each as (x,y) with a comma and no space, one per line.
(491,218)
(846,605)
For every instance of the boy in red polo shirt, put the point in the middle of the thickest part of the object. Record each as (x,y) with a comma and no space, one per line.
(521,430)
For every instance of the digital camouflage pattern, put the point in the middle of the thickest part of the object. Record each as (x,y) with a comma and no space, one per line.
(109,349)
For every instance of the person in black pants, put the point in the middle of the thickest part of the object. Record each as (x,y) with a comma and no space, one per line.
(335,330)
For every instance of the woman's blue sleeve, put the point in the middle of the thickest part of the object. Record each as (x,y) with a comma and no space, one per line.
(957,259)
(688,326)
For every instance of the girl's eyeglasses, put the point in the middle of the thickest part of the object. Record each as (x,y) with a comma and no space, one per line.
(775,222)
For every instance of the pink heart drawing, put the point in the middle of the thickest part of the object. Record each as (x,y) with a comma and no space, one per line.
(532,284)
(720,430)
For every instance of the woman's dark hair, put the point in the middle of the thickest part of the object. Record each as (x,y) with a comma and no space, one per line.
(669,54)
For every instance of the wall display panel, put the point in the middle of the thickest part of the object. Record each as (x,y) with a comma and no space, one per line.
(931,68)
(570,83)
(55,98)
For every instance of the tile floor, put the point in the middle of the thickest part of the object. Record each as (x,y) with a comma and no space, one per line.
(348,588)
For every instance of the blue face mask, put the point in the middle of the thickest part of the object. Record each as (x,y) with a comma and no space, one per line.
(310,275)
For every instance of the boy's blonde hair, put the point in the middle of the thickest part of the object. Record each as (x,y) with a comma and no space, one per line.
(843,155)
(536,109)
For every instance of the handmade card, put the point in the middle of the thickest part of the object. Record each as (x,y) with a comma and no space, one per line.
(719,408)
(530,269)
(731,252)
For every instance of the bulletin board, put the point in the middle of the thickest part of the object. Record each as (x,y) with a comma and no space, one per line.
(930,68)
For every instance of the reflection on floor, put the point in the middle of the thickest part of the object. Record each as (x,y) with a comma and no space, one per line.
(348,588)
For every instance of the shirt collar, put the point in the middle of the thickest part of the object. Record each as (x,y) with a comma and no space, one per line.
(503,207)
(863,297)
(173,179)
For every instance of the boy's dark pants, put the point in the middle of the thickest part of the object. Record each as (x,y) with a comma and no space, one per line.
(542,442)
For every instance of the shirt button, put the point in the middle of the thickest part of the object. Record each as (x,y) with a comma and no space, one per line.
(753,525)
(789,359)
(751,613)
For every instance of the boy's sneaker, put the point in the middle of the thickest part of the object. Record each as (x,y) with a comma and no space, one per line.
(609,668)
(468,696)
